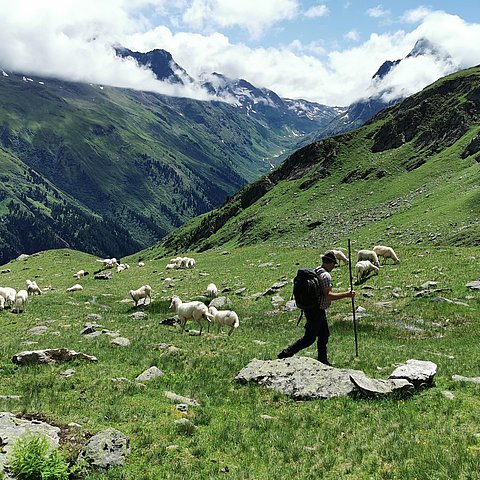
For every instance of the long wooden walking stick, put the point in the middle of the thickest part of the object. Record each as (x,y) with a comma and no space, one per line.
(353,300)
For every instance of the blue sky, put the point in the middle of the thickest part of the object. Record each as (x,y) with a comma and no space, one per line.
(321,50)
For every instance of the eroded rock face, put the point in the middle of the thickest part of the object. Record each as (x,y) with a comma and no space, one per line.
(106,449)
(50,355)
(300,377)
(11,428)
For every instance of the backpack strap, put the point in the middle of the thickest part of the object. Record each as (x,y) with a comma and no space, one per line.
(300,317)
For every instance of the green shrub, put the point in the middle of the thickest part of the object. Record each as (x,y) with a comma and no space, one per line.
(32,458)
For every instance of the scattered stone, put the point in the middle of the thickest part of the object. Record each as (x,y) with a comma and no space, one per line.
(50,355)
(103,275)
(94,316)
(68,373)
(446,300)
(172,447)
(220,303)
(260,342)
(74,425)
(383,304)
(11,428)
(266,264)
(10,397)
(361,309)
(371,387)
(475,285)
(255,296)
(427,285)
(448,394)
(277,300)
(266,417)
(150,374)
(460,378)
(40,330)
(5,270)
(368,294)
(106,449)
(418,372)
(23,256)
(90,328)
(227,289)
(93,334)
(240,291)
(368,287)
(276,286)
(121,342)
(179,399)
(182,407)
(138,315)
(172,321)
(290,306)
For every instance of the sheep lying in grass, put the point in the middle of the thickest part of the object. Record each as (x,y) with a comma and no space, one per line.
(196,311)
(368,255)
(340,256)
(21,299)
(8,293)
(142,292)
(75,288)
(224,318)
(212,290)
(122,267)
(363,267)
(33,288)
(386,253)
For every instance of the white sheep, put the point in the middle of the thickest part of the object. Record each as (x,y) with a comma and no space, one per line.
(386,252)
(143,292)
(33,288)
(177,261)
(224,318)
(363,267)
(20,301)
(171,266)
(108,262)
(368,255)
(212,290)
(8,293)
(122,267)
(196,311)
(141,264)
(2,302)
(340,256)
(80,273)
(75,288)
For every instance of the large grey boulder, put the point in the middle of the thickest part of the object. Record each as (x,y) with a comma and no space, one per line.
(374,387)
(220,303)
(418,372)
(150,374)
(50,355)
(11,428)
(300,377)
(106,449)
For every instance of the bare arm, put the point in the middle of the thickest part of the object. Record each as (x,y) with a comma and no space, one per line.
(338,295)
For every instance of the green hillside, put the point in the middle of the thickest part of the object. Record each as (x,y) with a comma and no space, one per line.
(141,162)
(410,176)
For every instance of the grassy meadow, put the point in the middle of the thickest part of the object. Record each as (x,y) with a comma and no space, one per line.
(249,432)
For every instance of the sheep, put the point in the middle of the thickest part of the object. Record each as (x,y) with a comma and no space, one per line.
(108,262)
(2,302)
(177,261)
(386,252)
(75,288)
(224,317)
(187,262)
(191,263)
(362,268)
(171,266)
(141,264)
(368,255)
(142,292)
(122,267)
(33,288)
(197,311)
(8,294)
(340,256)
(212,290)
(20,301)
(80,273)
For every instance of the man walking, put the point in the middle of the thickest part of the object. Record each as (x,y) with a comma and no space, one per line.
(316,326)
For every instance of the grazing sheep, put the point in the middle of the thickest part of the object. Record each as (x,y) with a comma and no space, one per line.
(33,288)
(75,288)
(368,255)
(142,292)
(196,311)
(212,290)
(340,256)
(171,266)
(363,267)
(141,264)
(177,261)
(122,267)
(80,273)
(8,294)
(20,301)
(224,318)
(2,302)
(108,262)
(386,252)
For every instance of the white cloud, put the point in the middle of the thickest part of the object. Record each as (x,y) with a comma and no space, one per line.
(317,11)
(252,15)
(378,12)
(416,15)
(352,35)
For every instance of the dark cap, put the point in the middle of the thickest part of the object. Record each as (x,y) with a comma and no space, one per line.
(329,257)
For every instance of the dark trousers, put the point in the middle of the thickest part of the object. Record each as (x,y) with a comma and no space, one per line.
(316,328)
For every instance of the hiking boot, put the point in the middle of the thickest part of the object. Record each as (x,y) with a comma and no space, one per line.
(284,354)
(325,362)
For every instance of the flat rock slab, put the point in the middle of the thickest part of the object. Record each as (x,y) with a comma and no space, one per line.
(106,449)
(50,355)
(418,372)
(460,378)
(180,399)
(11,428)
(373,387)
(475,285)
(300,377)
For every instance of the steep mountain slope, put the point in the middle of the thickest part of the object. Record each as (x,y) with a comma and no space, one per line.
(409,176)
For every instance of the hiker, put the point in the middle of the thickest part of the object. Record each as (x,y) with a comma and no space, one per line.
(316,325)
